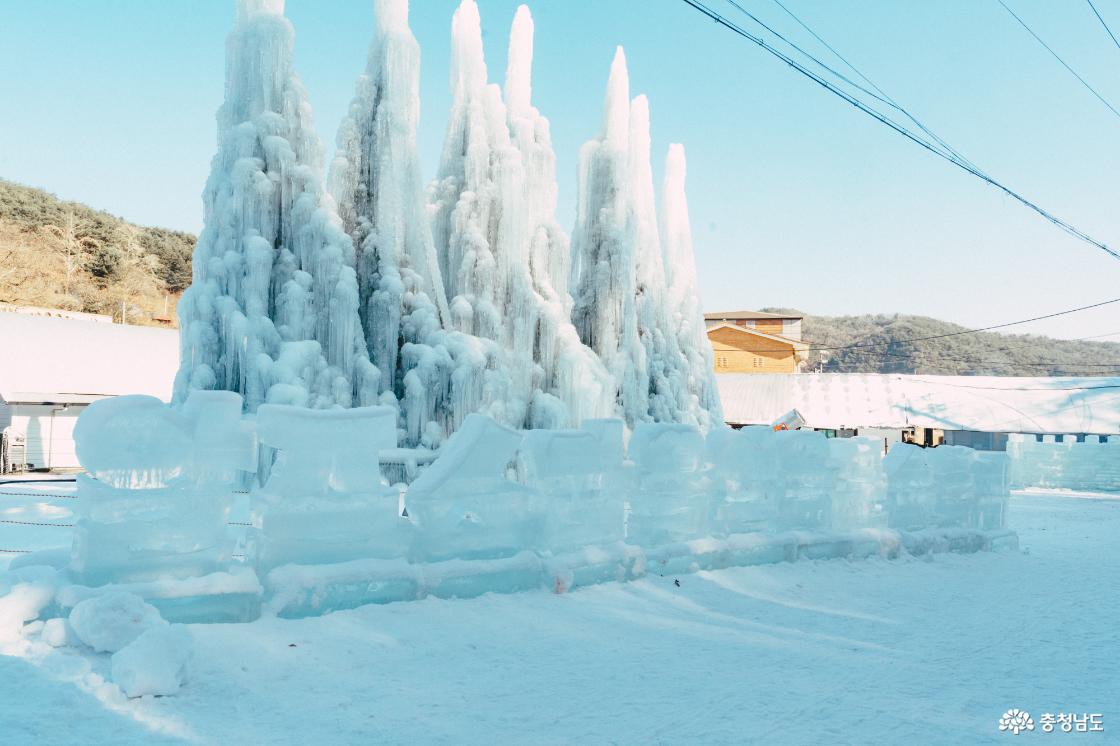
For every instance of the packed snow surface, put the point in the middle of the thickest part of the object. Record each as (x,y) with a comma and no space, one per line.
(929,650)
(154,663)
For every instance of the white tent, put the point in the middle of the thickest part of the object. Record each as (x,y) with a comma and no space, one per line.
(977,403)
(52,368)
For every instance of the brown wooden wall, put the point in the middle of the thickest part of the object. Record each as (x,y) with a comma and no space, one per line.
(737,352)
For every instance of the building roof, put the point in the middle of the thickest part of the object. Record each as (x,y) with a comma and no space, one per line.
(748,315)
(796,344)
(60,360)
(981,403)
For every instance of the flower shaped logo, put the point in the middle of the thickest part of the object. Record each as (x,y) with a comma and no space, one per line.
(1016,720)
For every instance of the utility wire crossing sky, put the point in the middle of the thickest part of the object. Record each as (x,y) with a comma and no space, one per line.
(797,200)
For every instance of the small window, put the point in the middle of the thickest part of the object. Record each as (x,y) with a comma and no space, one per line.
(1059,439)
(1038,438)
(1081,438)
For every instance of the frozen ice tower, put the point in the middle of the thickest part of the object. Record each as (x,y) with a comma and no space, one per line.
(376,180)
(625,306)
(272,309)
(437,375)
(444,302)
(686,312)
(665,364)
(501,251)
(606,289)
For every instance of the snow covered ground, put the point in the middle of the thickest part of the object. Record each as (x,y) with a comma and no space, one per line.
(930,650)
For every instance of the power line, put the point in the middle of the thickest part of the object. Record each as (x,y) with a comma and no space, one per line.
(1106,28)
(990,328)
(1059,59)
(863,347)
(886,98)
(1095,336)
(974,362)
(731,26)
(1024,388)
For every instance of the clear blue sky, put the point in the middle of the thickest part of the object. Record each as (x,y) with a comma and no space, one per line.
(797,199)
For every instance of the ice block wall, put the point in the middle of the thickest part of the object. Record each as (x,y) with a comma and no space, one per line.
(1089,465)
(945,487)
(159,485)
(498,510)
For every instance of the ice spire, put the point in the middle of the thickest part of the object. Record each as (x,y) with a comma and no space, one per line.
(684,296)
(572,372)
(605,311)
(271,311)
(246,9)
(493,210)
(375,177)
(519,68)
(666,367)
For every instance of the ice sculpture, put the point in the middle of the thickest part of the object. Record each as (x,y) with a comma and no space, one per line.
(376,180)
(1092,464)
(325,500)
(502,253)
(320,301)
(991,475)
(604,268)
(806,476)
(955,500)
(271,312)
(466,506)
(909,487)
(155,501)
(583,486)
(671,497)
(859,492)
(945,487)
(649,336)
(685,308)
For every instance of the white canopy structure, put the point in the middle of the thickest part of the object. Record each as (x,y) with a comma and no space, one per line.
(977,403)
(51,368)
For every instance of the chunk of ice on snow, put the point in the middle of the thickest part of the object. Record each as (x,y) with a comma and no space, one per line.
(109,622)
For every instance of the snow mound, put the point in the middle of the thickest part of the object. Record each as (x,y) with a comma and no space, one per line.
(109,622)
(58,633)
(154,663)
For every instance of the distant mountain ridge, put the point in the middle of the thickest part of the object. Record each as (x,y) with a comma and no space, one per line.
(883,348)
(66,255)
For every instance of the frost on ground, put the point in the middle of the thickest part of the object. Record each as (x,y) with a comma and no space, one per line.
(924,650)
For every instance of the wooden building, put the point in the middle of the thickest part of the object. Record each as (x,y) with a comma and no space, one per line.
(756,342)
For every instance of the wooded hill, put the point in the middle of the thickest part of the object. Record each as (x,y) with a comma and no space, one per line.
(58,254)
(883,348)
(66,255)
